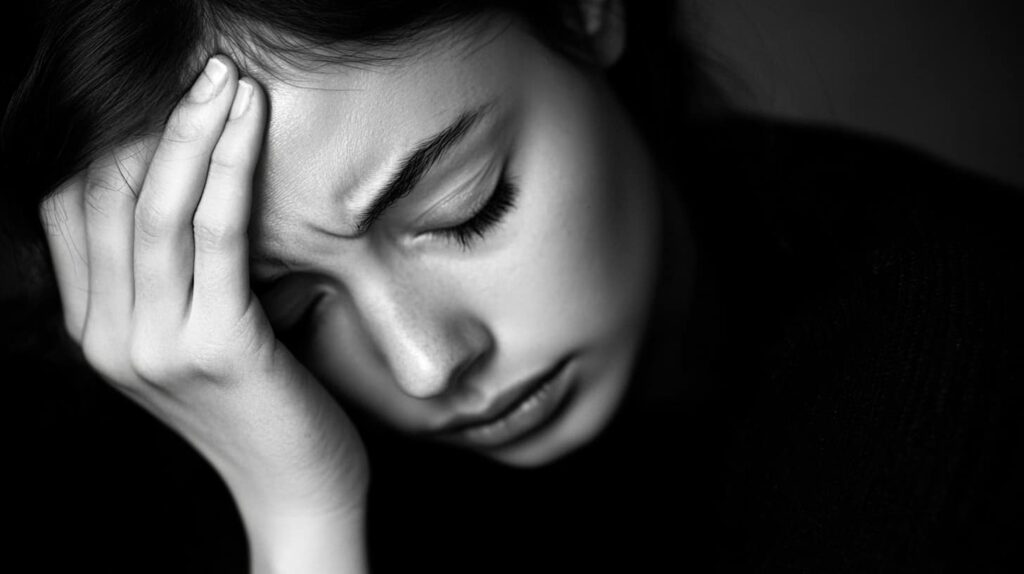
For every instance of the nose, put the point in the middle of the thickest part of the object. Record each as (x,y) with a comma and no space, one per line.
(428,343)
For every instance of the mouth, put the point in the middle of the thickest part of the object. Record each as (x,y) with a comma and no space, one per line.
(523,412)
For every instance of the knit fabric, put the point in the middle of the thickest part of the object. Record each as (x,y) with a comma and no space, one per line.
(876,413)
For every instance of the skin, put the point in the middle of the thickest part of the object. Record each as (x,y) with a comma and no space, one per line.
(161,246)
(150,253)
(432,329)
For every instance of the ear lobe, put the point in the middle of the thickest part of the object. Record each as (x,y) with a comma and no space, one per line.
(604,23)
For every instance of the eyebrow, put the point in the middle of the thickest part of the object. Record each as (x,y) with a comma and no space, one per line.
(416,164)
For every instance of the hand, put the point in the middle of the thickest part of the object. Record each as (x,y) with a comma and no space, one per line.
(150,251)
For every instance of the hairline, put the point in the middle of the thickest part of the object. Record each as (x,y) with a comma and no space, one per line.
(268,54)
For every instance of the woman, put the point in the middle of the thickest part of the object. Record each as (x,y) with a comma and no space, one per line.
(712,344)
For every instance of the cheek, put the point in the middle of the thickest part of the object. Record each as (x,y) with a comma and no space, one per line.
(583,254)
(585,245)
(343,357)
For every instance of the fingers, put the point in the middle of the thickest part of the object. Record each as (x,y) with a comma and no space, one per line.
(221,244)
(157,228)
(163,258)
(111,186)
(63,220)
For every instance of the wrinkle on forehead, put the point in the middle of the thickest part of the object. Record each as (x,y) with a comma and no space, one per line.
(334,136)
(444,74)
(275,58)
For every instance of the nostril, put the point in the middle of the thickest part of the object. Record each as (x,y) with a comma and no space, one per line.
(462,375)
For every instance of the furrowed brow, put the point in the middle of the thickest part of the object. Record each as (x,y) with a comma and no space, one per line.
(415,165)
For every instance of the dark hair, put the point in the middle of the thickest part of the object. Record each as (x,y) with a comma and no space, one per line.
(99,72)
(105,72)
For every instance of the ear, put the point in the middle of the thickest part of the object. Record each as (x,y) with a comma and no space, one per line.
(604,23)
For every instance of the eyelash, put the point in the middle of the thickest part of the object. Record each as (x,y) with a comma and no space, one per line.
(501,201)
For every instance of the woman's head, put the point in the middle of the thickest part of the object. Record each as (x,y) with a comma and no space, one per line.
(455,217)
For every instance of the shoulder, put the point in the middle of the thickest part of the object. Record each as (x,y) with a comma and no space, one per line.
(886,403)
(846,185)
(828,210)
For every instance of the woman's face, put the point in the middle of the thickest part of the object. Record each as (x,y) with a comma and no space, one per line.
(460,243)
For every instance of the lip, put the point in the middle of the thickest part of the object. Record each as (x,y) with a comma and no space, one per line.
(516,414)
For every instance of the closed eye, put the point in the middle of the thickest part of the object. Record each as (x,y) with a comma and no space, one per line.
(501,201)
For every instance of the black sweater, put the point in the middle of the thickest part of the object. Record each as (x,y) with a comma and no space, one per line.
(872,368)
(854,397)
(853,404)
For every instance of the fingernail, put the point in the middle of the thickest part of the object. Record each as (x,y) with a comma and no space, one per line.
(210,81)
(243,95)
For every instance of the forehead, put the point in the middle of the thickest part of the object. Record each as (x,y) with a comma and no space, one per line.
(336,134)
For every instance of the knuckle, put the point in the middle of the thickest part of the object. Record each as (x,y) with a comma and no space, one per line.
(103,358)
(56,208)
(225,162)
(100,179)
(212,233)
(106,189)
(217,354)
(151,222)
(176,367)
(48,211)
(183,127)
(152,364)
(138,152)
(53,215)
(208,362)
(51,209)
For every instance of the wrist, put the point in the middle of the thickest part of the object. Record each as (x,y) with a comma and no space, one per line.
(307,542)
